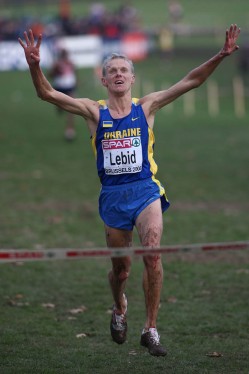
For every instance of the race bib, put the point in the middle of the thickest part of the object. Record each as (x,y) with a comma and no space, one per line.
(122,156)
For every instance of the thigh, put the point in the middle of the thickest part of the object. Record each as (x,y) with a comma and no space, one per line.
(116,238)
(149,224)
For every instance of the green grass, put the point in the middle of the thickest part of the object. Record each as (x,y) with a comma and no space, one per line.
(49,197)
(208,314)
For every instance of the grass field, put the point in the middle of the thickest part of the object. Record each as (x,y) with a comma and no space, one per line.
(49,193)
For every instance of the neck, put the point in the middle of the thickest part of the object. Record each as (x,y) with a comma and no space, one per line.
(119,105)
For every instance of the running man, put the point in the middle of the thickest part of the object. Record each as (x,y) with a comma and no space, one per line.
(64,79)
(122,137)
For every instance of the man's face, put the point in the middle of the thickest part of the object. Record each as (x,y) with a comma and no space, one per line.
(119,76)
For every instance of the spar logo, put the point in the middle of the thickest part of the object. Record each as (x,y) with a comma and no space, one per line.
(136,142)
(120,143)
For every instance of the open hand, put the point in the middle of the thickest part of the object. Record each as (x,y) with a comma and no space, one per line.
(31,49)
(230,43)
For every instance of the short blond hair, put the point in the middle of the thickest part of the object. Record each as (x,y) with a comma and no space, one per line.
(115,56)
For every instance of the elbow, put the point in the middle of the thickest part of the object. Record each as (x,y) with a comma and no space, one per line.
(190,84)
(40,96)
(197,83)
(44,95)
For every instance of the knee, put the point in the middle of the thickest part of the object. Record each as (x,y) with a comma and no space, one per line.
(123,275)
(118,275)
(121,270)
(153,261)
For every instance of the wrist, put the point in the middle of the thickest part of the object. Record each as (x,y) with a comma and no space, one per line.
(223,53)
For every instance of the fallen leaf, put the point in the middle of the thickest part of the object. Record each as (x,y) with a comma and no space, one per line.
(214,354)
(19,296)
(12,302)
(22,304)
(133,353)
(48,305)
(81,309)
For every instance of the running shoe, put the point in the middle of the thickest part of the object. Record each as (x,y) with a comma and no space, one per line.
(151,340)
(118,325)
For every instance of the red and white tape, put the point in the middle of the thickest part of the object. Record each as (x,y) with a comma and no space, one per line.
(14,255)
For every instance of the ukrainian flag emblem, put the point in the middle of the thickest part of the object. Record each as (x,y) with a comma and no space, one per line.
(107,124)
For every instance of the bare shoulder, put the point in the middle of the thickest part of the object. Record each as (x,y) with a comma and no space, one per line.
(156,100)
(150,103)
(90,112)
(90,108)
(153,102)
(89,102)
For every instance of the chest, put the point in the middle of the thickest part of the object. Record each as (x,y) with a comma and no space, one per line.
(130,125)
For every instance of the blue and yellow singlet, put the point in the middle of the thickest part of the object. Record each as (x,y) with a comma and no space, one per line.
(124,147)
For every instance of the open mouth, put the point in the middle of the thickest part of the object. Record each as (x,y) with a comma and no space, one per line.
(119,82)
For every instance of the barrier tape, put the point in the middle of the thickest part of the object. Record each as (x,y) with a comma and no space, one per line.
(15,255)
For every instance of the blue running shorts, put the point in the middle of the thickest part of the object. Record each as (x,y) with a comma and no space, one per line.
(120,205)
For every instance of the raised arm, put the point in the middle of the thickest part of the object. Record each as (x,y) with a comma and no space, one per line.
(84,107)
(194,78)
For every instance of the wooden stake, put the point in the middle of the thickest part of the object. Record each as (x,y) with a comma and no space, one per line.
(239,96)
(189,103)
(213,98)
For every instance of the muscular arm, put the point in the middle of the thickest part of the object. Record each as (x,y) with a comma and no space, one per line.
(46,92)
(83,107)
(156,100)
